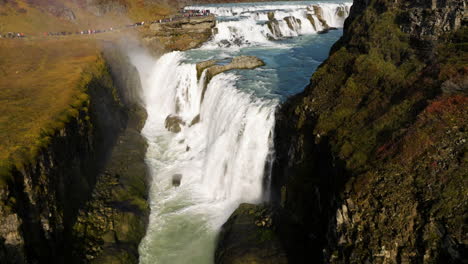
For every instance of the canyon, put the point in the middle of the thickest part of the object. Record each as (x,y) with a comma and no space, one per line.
(215,152)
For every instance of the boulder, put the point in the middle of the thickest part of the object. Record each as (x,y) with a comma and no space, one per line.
(341,11)
(312,21)
(173,123)
(213,69)
(293,23)
(271,16)
(319,14)
(274,28)
(176,180)
(195,120)
(249,236)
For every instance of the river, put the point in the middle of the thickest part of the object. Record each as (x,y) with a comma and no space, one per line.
(224,159)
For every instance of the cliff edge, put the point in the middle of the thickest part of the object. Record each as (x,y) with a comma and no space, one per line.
(371,158)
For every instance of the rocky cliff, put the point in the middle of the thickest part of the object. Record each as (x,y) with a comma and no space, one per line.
(183,34)
(371,158)
(110,226)
(41,196)
(47,201)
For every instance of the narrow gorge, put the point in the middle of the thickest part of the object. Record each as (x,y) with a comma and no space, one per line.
(211,116)
(267,132)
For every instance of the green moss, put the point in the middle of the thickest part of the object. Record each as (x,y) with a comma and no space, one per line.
(264,234)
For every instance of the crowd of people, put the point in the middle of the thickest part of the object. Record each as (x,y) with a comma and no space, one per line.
(183,14)
(12,35)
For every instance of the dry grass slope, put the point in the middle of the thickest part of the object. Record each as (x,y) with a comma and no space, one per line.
(38,83)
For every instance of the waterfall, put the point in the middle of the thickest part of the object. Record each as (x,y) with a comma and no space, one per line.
(210,151)
(258,24)
(220,158)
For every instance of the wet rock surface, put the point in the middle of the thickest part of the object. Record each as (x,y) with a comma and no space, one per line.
(110,227)
(237,63)
(183,34)
(174,123)
(40,203)
(371,157)
(250,236)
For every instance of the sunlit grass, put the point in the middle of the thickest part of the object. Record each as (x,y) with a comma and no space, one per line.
(38,82)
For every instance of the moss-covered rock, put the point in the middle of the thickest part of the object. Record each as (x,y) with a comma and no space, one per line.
(250,237)
(371,155)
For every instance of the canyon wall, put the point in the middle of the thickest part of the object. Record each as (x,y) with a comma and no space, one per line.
(45,198)
(183,34)
(371,162)
(371,158)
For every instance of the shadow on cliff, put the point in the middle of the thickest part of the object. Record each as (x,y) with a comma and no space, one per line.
(305,185)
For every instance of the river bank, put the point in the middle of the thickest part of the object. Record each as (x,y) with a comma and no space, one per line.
(103,194)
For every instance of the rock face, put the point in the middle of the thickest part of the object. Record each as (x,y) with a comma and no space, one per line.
(273,25)
(237,63)
(319,14)
(261,245)
(110,226)
(41,197)
(293,23)
(184,34)
(59,207)
(174,123)
(371,158)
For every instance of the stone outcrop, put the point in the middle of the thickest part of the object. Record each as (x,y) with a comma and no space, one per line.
(41,197)
(174,123)
(293,23)
(312,21)
(273,26)
(261,245)
(319,14)
(237,63)
(371,157)
(67,203)
(183,34)
(112,223)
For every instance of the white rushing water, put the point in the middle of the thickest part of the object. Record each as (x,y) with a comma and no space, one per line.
(222,159)
(249,23)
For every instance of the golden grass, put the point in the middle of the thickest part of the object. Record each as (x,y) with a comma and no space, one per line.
(38,82)
(20,16)
(41,78)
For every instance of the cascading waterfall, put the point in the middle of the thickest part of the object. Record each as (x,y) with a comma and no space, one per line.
(221,159)
(259,23)
(223,143)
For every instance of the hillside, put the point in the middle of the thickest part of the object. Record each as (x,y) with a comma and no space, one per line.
(371,159)
(39,83)
(38,16)
(377,167)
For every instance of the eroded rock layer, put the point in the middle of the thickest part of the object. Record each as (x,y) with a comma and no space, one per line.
(371,164)
(371,158)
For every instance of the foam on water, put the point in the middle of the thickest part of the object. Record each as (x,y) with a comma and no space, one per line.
(224,158)
(247,23)
(221,159)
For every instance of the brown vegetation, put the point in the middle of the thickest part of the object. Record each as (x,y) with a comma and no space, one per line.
(38,83)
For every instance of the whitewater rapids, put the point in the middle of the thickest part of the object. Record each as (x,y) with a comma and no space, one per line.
(224,149)
(247,24)
(221,158)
